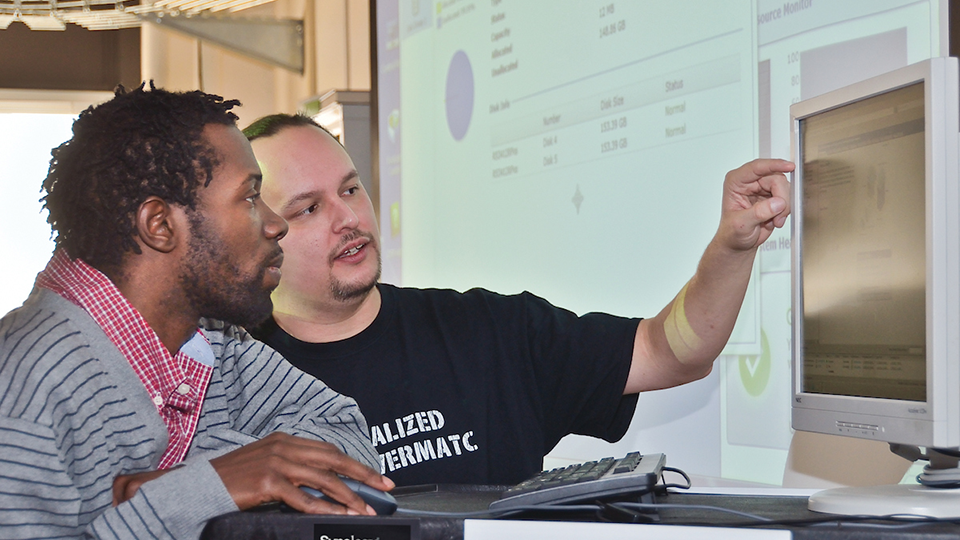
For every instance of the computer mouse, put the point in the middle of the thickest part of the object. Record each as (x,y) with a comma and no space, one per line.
(382,502)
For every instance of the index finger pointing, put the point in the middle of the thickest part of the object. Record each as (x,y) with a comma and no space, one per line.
(766,167)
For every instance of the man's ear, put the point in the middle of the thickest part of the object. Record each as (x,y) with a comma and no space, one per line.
(160,226)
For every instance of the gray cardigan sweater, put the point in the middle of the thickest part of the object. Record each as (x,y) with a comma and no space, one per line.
(74,415)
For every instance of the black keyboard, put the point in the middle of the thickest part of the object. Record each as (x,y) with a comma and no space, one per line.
(586,482)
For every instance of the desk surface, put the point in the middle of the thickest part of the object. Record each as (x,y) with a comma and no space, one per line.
(272,523)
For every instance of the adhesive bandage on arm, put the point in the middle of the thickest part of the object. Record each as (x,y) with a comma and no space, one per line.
(683,341)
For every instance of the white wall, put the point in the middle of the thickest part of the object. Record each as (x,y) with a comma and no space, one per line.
(31,124)
(337,56)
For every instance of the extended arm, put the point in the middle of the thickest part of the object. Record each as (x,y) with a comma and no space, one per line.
(680,344)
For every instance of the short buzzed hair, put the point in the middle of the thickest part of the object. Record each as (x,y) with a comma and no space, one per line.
(269,126)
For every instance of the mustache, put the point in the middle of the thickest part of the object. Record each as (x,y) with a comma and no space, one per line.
(274,258)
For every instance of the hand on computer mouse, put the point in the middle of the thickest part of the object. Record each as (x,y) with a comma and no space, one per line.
(272,469)
(382,502)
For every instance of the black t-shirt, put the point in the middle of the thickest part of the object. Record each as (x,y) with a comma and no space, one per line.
(474,387)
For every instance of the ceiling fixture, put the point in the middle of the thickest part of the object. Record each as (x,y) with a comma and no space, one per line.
(110,14)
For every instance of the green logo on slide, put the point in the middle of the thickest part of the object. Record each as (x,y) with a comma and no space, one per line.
(755,370)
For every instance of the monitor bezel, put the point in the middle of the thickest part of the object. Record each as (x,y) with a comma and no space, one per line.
(936,421)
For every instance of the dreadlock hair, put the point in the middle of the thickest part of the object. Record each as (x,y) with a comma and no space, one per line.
(137,145)
(269,126)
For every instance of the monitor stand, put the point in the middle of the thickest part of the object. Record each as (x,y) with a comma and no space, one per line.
(898,499)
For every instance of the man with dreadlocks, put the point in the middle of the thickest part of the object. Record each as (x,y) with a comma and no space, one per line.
(121,416)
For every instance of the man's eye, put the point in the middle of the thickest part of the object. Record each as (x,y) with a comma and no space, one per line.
(306,211)
(253,198)
(351,190)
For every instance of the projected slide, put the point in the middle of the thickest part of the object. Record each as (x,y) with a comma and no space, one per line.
(550,122)
(578,149)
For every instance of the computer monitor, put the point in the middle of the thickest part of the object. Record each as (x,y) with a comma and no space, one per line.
(876,276)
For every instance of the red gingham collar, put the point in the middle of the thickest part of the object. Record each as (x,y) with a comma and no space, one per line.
(176,383)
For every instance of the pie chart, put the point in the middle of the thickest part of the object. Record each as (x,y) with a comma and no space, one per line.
(459,95)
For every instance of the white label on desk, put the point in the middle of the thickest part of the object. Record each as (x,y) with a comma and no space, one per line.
(493,529)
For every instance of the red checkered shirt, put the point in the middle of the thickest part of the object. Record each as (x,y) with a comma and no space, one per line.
(176,384)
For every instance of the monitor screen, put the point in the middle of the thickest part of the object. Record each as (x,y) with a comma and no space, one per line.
(864,264)
(876,248)
(876,277)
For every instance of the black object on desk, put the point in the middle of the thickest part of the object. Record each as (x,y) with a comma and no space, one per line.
(465,498)
(271,522)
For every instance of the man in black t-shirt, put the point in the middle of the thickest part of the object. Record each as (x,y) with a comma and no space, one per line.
(477,387)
